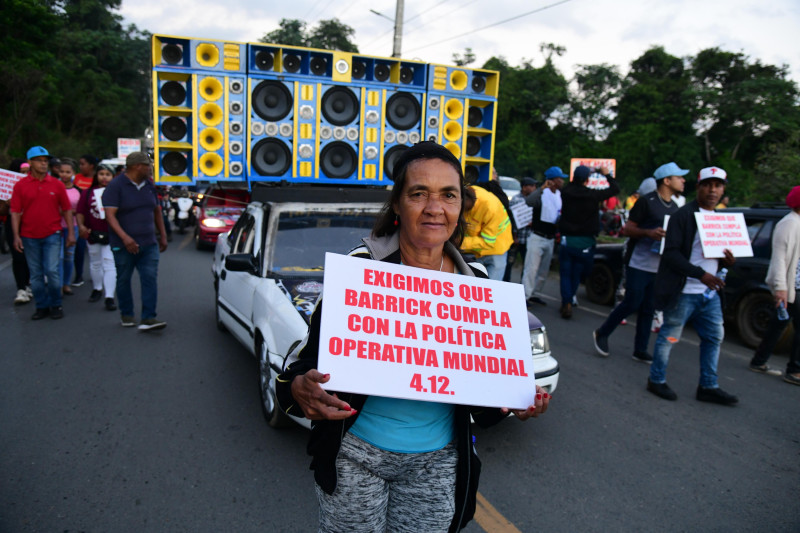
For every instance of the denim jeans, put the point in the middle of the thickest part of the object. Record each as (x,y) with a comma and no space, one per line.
(537,264)
(495,265)
(146,262)
(574,263)
(80,255)
(42,256)
(67,258)
(639,286)
(706,317)
(773,334)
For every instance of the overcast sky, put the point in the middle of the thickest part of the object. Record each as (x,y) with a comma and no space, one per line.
(592,31)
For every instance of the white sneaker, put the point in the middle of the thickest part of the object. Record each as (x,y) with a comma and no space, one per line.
(29,292)
(22,297)
(574,301)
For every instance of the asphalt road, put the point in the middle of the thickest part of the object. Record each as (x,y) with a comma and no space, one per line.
(103,428)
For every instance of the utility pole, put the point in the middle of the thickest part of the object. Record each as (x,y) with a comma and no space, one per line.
(398,29)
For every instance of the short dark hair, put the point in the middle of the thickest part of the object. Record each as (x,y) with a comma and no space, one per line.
(92,160)
(385,223)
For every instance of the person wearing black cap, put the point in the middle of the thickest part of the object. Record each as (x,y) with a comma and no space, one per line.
(579,225)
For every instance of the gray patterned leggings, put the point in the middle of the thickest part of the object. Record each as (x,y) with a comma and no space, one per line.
(382,491)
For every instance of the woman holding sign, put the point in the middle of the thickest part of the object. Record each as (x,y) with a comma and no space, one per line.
(387,464)
(93,227)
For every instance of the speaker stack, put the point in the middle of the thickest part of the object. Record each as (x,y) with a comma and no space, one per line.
(461,112)
(268,112)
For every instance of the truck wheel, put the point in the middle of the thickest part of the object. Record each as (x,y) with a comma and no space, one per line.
(269,403)
(600,285)
(753,315)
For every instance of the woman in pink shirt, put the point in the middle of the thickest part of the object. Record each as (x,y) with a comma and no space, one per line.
(66,171)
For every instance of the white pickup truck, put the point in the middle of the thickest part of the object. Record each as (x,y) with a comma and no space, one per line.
(268,273)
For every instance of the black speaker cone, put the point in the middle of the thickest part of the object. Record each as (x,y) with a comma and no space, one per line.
(381,72)
(272,101)
(475,116)
(319,66)
(359,69)
(291,63)
(172,53)
(471,174)
(390,158)
(271,157)
(406,75)
(338,160)
(403,111)
(339,106)
(173,128)
(173,93)
(264,60)
(174,163)
(478,84)
(473,145)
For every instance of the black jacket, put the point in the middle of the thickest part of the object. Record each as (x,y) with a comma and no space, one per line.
(580,208)
(326,435)
(675,267)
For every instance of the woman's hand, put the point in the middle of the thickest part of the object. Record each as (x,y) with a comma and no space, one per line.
(538,408)
(316,403)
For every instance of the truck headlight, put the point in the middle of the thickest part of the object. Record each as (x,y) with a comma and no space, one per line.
(539,342)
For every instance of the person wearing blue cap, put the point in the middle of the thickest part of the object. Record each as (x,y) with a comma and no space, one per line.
(37,204)
(546,204)
(579,225)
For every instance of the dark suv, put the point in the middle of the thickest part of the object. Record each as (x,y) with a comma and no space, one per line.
(748,304)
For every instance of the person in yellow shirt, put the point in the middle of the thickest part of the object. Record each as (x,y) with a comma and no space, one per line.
(488,233)
(631,200)
(724,202)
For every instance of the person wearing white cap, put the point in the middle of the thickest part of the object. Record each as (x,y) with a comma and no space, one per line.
(681,291)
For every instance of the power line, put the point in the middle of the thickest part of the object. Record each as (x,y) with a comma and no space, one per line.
(490,25)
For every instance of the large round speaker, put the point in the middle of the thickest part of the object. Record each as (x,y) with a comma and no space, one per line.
(382,72)
(211,89)
(338,160)
(211,139)
(359,69)
(475,116)
(291,63)
(270,157)
(390,158)
(473,145)
(172,53)
(210,114)
(406,74)
(173,93)
(272,101)
(173,128)
(339,106)
(471,174)
(174,163)
(478,84)
(318,66)
(264,60)
(210,164)
(452,131)
(207,54)
(403,111)
(458,80)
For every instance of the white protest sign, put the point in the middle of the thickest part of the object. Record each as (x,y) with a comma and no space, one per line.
(720,231)
(522,213)
(98,199)
(663,240)
(7,181)
(403,332)
(596,180)
(125,147)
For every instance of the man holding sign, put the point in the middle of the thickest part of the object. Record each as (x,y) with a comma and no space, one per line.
(686,289)
(387,463)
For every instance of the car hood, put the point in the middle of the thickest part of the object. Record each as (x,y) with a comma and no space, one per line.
(533,322)
(302,292)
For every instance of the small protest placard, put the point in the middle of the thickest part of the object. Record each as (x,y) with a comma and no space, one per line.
(7,181)
(720,231)
(596,180)
(522,213)
(404,332)
(125,147)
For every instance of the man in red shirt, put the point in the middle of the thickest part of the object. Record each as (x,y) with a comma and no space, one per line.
(37,204)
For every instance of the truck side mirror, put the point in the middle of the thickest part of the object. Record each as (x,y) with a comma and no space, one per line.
(241,263)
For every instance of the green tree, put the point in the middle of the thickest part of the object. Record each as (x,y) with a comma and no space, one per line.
(594,101)
(328,35)
(291,32)
(463,60)
(778,168)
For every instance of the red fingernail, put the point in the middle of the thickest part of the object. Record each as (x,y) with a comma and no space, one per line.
(353,411)
(538,396)
(326,376)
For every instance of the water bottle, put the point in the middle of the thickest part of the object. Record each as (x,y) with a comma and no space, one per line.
(721,275)
(783,314)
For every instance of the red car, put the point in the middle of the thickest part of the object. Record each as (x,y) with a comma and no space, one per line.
(217,212)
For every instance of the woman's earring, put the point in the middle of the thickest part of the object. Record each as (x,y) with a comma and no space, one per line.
(396,220)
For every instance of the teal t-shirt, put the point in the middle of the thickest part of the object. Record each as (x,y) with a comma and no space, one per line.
(405,426)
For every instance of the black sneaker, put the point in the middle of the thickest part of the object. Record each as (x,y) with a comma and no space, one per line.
(662,390)
(716,395)
(56,312)
(535,300)
(41,313)
(643,357)
(764,369)
(95,296)
(78,282)
(600,344)
(150,324)
(110,305)
(794,379)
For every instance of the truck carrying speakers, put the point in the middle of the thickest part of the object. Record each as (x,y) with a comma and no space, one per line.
(256,112)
